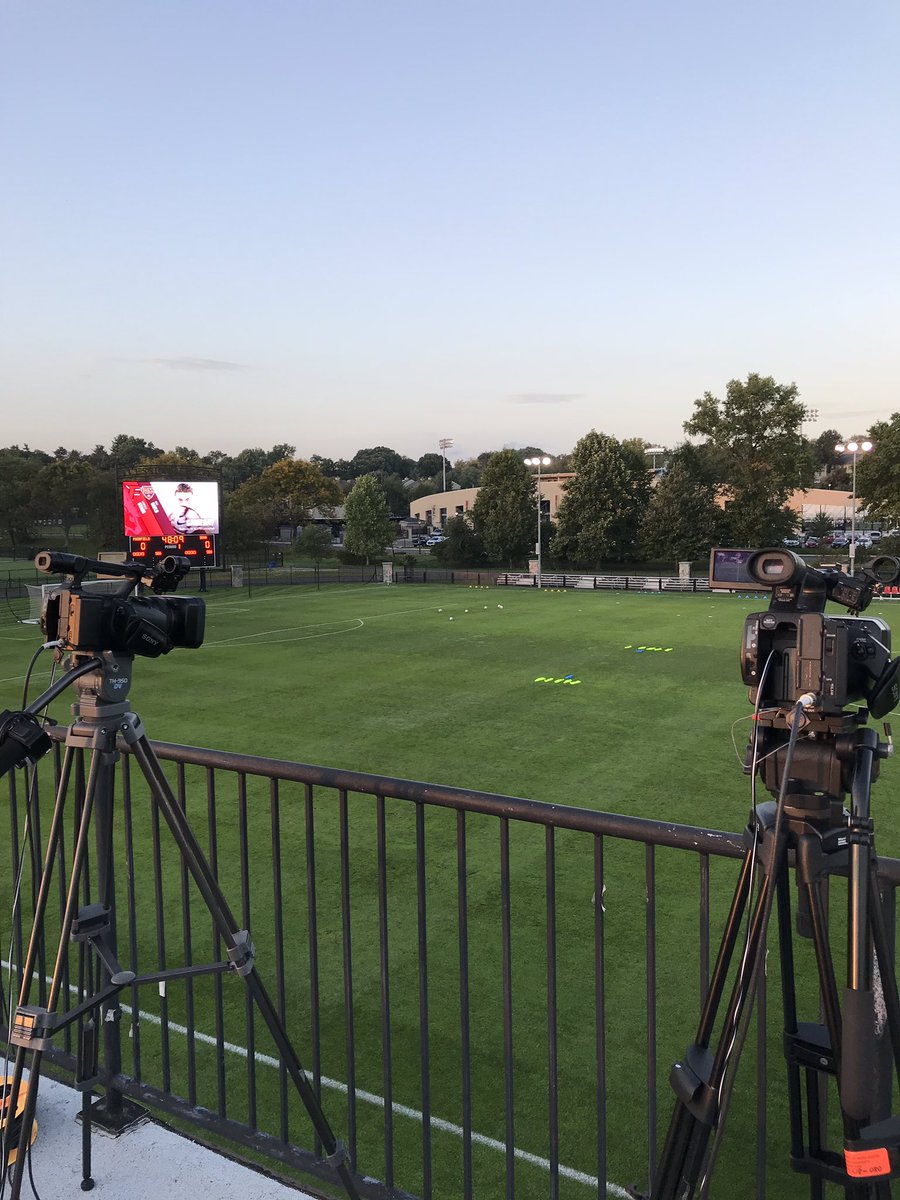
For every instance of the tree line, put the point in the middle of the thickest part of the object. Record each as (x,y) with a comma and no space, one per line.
(729,487)
(730,484)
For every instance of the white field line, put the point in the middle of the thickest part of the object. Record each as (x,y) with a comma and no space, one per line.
(401,1110)
(299,637)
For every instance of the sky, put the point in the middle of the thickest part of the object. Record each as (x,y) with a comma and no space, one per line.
(231,223)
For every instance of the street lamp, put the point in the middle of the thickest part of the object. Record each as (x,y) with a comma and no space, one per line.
(444,444)
(654,450)
(853,448)
(543,461)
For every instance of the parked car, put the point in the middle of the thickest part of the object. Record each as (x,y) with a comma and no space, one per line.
(811,542)
(435,539)
(839,542)
(875,535)
(791,541)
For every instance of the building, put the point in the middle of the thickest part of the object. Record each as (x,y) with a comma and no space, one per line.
(437,508)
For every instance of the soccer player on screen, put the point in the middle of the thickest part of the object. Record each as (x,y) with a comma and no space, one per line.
(184,517)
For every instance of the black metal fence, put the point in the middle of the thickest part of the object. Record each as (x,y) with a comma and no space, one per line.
(487,991)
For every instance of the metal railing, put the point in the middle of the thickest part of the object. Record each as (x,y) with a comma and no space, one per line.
(487,991)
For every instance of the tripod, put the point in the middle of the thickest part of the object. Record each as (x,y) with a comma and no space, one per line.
(809,830)
(101,715)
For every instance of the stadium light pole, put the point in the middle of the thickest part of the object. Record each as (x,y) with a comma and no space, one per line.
(853,448)
(444,444)
(654,450)
(543,461)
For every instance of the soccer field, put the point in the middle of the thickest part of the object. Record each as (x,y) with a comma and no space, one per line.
(626,702)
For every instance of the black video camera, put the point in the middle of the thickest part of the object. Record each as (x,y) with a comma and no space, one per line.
(793,649)
(89,622)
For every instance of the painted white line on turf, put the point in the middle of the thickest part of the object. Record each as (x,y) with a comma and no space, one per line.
(243,638)
(401,1110)
(267,633)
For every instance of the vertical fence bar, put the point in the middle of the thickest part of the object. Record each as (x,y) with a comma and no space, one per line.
(218,996)
(188,954)
(464,1023)
(761,1086)
(133,954)
(704,928)
(600,1016)
(386,1073)
(552,1064)
(278,919)
(507,1010)
(312,923)
(348,976)
(650,872)
(249,1007)
(160,942)
(424,1043)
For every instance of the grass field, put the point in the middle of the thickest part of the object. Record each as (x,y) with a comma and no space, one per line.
(446,685)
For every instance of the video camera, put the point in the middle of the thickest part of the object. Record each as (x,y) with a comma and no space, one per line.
(793,649)
(88,622)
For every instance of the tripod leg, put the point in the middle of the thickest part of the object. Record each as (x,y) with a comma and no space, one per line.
(698,1081)
(71,907)
(197,864)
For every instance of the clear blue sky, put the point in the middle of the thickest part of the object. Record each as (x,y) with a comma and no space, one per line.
(344,224)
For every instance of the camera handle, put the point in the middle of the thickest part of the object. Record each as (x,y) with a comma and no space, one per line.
(844,1046)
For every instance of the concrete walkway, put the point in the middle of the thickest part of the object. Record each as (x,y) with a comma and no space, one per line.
(146,1163)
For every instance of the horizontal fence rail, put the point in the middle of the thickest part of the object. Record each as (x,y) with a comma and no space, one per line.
(487,992)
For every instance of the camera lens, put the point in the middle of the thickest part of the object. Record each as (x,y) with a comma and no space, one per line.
(775,567)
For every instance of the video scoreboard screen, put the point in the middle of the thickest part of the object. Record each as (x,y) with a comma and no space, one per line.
(166,517)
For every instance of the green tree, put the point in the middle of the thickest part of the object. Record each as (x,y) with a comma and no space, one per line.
(428,466)
(682,520)
(315,542)
(380,460)
(601,509)
(755,436)
(286,492)
(368,526)
(250,464)
(126,451)
(878,471)
(505,509)
(463,547)
(821,524)
(60,492)
(18,471)
(396,494)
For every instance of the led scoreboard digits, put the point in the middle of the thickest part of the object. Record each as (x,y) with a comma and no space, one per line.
(165,517)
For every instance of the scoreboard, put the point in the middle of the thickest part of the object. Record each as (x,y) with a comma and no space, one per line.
(166,517)
(198,548)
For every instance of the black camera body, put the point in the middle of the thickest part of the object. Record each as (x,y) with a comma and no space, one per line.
(795,650)
(144,625)
(88,622)
(837,659)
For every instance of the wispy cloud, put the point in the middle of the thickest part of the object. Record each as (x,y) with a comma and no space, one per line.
(545,397)
(198,364)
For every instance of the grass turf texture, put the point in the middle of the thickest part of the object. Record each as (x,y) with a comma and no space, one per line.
(380,679)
